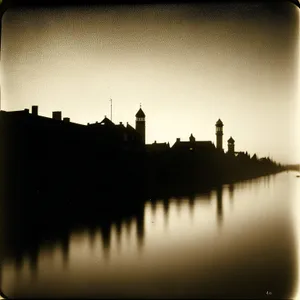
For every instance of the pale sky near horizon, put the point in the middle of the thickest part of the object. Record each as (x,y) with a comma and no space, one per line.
(188,65)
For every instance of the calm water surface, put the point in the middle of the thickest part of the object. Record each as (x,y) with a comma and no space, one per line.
(236,241)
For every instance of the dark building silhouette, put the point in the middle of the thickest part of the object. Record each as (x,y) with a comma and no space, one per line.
(44,156)
(230,145)
(55,152)
(219,135)
(192,145)
(117,137)
(157,147)
(140,124)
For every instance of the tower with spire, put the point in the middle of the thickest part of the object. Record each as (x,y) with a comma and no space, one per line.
(140,124)
(219,135)
(231,145)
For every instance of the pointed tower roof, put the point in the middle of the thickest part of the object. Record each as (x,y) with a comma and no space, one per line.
(106,121)
(219,123)
(128,126)
(192,138)
(231,140)
(140,114)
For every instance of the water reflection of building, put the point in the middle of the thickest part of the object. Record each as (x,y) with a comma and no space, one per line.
(106,233)
(164,204)
(33,259)
(166,209)
(191,202)
(123,226)
(231,191)
(153,208)
(220,204)
(266,180)
(179,203)
(19,261)
(140,231)
(92,234)
(65,246)
(128,226)
(118,226)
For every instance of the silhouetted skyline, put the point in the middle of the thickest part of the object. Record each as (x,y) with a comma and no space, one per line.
(107,130)
(188,65)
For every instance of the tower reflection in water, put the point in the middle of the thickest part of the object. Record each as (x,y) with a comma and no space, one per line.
(231,191)
(220,204)
(165,248)
(121,227)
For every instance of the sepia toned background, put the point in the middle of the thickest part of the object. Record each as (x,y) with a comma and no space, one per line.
(188,65)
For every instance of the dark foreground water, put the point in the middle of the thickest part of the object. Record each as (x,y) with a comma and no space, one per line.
(236,241)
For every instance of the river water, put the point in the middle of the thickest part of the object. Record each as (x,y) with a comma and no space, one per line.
(235,241)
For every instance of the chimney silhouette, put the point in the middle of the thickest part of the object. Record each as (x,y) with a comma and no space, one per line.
(34,110)
(56,115)
(67,120)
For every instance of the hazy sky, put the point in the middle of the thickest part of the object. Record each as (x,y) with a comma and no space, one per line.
(188,65)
